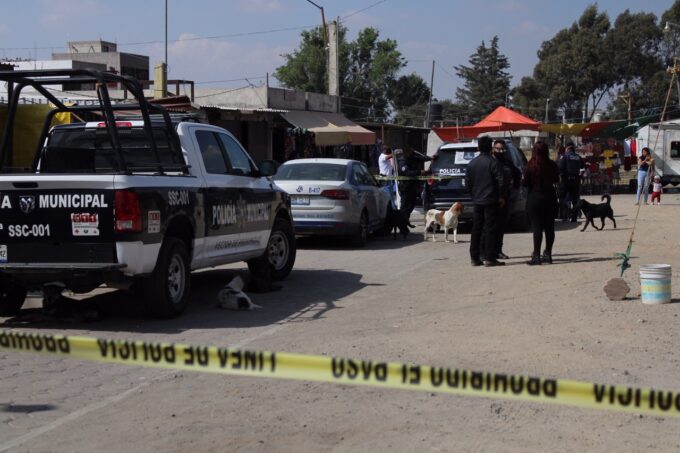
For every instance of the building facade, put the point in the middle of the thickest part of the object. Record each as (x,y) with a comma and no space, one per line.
(106,53)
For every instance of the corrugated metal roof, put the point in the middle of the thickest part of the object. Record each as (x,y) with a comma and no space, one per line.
(238,109)
(392,126)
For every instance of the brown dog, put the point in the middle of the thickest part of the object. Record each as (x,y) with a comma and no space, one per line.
(446,219)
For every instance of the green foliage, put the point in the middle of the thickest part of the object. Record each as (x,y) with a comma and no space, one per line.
(486,81)
(590,62)
(648,96)
(373,67)
(368,70)
(409,95)
(409,90)
(575,63)
(305,68)
(594,60)
(529,99)
(638,42)
(633,45)
(670,44)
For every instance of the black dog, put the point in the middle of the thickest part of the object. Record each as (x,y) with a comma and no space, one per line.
(592,211)
(396,220)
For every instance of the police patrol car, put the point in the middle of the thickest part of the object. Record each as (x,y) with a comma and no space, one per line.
(115,201)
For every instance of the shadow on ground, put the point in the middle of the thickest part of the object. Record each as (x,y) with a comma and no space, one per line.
(565,258)
(309,294)
(25,408)
(375,242)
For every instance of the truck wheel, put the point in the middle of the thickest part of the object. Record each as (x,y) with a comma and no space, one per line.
(360,238)
(12,297)
(279,256)
(167,289)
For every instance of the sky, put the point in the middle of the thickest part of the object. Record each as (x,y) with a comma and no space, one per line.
(233,43)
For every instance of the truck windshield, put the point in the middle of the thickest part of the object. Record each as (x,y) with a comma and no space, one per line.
(72,150)
(447,159)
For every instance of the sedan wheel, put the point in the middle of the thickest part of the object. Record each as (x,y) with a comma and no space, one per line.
(361,236)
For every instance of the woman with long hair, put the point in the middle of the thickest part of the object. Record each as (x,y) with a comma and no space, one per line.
(645,172)
(540,178)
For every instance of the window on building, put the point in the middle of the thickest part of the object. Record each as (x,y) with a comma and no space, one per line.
(675,150)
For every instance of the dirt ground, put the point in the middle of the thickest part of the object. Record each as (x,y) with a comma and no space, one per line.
(413,301)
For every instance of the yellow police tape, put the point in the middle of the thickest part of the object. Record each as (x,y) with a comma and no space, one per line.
(418,178)
(347,371)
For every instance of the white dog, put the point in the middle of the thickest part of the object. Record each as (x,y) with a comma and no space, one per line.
(232,296)
(446,219)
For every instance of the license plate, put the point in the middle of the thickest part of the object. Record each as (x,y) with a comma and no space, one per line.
(3,253)
(299,200)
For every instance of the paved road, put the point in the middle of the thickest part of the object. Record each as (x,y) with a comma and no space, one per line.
(413,301)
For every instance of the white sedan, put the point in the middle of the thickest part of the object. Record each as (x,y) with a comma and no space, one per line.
(333,197)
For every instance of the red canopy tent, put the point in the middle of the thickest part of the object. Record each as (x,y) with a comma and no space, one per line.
(501,119)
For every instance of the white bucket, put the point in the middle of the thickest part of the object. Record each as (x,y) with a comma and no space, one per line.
(655,283)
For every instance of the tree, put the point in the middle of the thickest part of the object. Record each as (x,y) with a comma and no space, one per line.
(372,70)
(636,43)
(529,98)
(305,68)
(575,64)
(486,81)
(368,68)
(409,90)
(409,96)
(670,45)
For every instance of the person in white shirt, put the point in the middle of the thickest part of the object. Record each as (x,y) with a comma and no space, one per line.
(385,162)
(657,189)
(386,168)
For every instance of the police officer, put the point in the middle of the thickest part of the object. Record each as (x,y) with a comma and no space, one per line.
(409,166)
(570,173)
(512,177)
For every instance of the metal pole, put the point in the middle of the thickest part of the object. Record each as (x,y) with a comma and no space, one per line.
(325,38)
(429,102)
(677,80)
(547,102)
(165,67)
(166,34)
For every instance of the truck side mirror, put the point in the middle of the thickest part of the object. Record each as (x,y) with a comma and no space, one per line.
(268,167)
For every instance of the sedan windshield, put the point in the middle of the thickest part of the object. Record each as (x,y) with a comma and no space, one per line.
(311,172)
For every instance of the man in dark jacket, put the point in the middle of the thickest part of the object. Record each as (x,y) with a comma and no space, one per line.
(512,178)
(570,166)
(484,179)
(410,166)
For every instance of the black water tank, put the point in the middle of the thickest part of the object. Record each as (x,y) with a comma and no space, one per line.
(436,112)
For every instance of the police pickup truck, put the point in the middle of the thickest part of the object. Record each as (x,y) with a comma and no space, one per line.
(127,202)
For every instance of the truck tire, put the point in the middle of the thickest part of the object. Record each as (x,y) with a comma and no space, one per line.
(12,297)
(166,291)
(279,256)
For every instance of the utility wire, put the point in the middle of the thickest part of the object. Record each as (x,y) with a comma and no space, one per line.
(445,71)
(362,10)
(195,38)
(231,80)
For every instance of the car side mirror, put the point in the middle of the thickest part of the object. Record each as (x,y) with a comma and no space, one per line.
(268,167)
